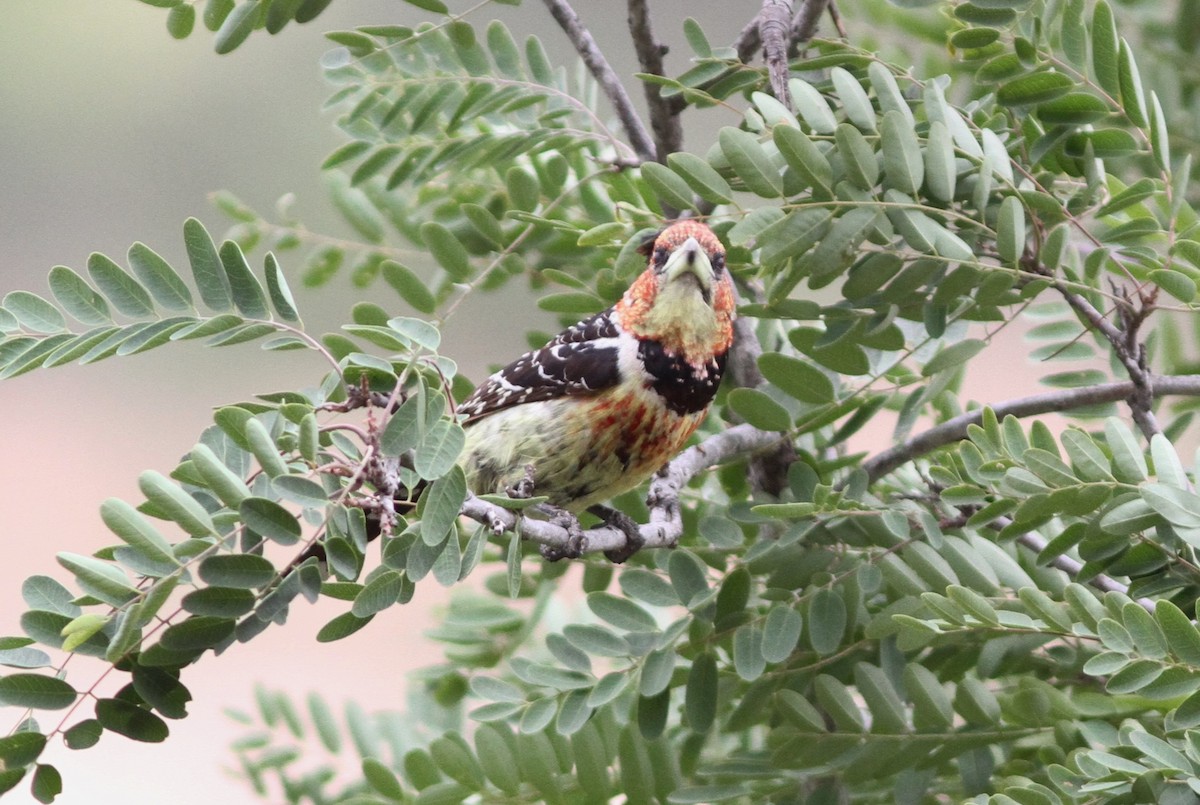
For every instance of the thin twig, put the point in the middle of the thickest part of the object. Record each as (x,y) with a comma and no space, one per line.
(605,76)
(668,132)
(955,429)
(774,23)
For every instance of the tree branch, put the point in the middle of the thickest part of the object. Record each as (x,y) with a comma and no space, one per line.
(1125,345)
(955,429)
(665,525)
(605,76)
(668,133)
(1073,568)
(804,26)
(774,24)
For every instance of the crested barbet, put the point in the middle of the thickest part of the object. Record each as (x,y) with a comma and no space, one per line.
(613,398)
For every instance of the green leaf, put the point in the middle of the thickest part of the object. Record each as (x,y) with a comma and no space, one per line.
(796,378)
(136,531)
(940,172)
(382,779)
(47,782)
(207,271)
(496,757)
(244,287)
(446,250)
(245,571)
(99,578)
(167,288)
(857,156)
(268,518)
(1034,88)
(440,505)
(1178,506)
(278,290)
(750,162)
(596,640)
(197,633)
(341,627)
(902,160)
(48,595)
(1181,634)
(181,19)
(804,158)
(1105,49)
(83,734)
(1073,109)
(812,106)
(77,298)
(891,99)
(700,695)
(953,355)
(380,593)
(669,186)
(410,287)
(826,621)
(224,602)
(419,331)
(224,483)
(126,718)
(21,748)
(700,177)
(621,612)
(758,409)
(855,102)
(1010,230)
(237,27)
(171,500)
(126,294)
(1129,464)
(781,633)
(36,691)
(34,313)
(687,576)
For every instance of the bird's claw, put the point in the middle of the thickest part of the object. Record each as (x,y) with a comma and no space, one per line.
(576,543)
(626,525)
(522,489)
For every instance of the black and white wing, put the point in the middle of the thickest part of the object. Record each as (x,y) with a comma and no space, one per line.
(580,360)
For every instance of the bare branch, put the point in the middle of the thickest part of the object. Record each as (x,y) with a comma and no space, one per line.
(665,525)
(774,22)
(955,429)
(1125,345)
(664,122)
(804,26)
(605,76)
(768,470)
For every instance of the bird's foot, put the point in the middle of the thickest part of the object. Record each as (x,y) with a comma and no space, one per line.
(522,489)
(576,543)
(626,525)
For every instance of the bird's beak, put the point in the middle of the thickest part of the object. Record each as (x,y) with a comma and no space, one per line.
(690,258)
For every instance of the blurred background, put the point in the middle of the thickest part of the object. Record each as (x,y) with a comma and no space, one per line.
(112,132)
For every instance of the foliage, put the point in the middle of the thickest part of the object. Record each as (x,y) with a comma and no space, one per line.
(1003,615)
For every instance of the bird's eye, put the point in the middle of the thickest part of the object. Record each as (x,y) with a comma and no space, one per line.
(661,254)
(718,262)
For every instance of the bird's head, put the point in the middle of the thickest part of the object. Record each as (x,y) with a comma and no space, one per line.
(684,298)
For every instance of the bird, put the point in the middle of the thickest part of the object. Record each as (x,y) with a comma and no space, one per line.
(614,397)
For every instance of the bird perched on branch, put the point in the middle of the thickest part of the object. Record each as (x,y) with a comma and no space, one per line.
(611,399)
